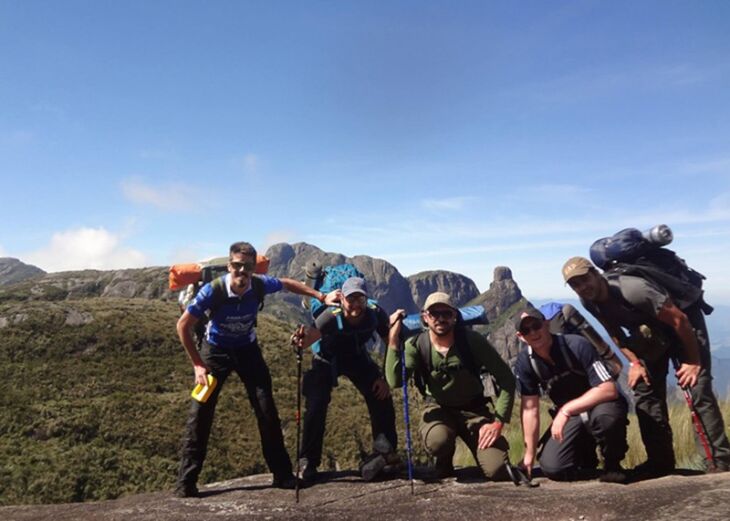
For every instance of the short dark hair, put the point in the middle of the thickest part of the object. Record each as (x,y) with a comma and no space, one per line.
(241,247)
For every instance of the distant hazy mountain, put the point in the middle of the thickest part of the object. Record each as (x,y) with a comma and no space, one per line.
(12,271)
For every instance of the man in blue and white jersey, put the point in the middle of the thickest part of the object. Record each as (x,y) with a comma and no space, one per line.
(231,303)
(588,407)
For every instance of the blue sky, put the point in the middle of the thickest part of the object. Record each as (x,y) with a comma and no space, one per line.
(437,135)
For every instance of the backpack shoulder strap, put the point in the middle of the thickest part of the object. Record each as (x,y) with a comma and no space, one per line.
(337,313)
(219,294)
(258,288)
(423,344)
(569,357)
(542,379)
(464,350)
(546,383)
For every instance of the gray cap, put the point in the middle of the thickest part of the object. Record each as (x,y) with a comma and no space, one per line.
(354,285)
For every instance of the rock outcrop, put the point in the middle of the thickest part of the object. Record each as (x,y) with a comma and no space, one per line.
(13,271)
(345,496)
(502,300)
(461,288)
(148,283)
(385,283)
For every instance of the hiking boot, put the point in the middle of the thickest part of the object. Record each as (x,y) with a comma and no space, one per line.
(309,472)
(651,470)
(288,482)
(183,491)
(443,468)
(381,445)
(614,474)
(372,466)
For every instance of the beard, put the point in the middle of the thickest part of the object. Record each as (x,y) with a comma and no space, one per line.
(442,329)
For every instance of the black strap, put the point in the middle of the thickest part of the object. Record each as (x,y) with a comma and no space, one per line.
(463,352)
(546,383)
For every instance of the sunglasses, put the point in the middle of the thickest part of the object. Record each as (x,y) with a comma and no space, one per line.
(526,330)
(245,266)
(444,313)
(357,298)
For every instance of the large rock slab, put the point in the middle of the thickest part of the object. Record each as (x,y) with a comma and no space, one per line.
(345,496)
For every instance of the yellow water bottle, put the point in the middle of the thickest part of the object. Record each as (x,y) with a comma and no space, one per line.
(203,392)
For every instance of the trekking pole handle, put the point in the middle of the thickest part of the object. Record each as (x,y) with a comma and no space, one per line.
(296,340)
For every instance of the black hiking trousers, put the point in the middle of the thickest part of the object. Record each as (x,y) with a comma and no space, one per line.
(317,389)
(604,425)
(651,405)
(251,368)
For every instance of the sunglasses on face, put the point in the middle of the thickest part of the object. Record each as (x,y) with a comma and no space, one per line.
(530,328)
(442,313)
(355,299)
(248,267)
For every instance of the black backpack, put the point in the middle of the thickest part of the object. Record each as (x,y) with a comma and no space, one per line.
(628,252)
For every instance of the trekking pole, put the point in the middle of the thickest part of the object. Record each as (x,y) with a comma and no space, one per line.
(298,350)
(697,421)
(406,415)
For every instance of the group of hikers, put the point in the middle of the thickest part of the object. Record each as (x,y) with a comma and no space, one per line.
(448,362)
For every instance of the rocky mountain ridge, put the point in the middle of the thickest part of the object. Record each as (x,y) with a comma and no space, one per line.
(386,284)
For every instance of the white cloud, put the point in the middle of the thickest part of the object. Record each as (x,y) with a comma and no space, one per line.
(448,203)
(85,248)
(169,197)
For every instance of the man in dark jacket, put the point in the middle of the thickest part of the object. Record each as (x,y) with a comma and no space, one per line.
(588,410)
(342,335)
(650,330)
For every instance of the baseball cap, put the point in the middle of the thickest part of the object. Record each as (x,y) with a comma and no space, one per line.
(576,266)
(438,297)
(528,313)
(354,285)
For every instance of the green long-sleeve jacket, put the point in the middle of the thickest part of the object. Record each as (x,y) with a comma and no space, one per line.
(450,383)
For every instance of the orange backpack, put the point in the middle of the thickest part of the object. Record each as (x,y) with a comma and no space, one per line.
(182,275)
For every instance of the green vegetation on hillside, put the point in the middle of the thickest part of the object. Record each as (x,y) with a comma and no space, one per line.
(96,410)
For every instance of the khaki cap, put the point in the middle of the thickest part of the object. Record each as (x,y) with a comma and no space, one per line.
(576,266)
(438,297)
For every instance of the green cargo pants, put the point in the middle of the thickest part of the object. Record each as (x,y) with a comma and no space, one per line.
(441,425)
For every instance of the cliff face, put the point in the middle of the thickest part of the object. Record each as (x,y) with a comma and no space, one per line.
(385,283)
(461,288)
(502,301)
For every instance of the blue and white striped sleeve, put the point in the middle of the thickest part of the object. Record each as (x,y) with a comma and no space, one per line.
(588,357)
